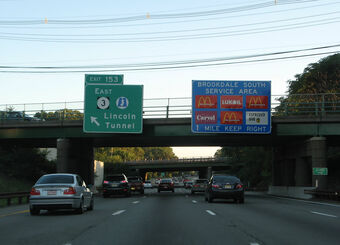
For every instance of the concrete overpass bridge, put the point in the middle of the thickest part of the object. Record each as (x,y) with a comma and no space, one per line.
(299,138)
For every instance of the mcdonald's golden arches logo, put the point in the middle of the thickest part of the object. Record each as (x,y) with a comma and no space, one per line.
(258,102)
(206,101)
(231,117)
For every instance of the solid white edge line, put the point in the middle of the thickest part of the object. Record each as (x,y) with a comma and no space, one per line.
(119,212)
(310,202)
(210,212)
(323,214)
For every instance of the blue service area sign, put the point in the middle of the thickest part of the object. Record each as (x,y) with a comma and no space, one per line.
(231,107)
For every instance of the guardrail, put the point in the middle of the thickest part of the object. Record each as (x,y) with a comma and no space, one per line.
(281,105)
(324,194)
(9,196)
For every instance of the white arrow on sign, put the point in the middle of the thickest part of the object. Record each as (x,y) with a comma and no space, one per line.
(94,120)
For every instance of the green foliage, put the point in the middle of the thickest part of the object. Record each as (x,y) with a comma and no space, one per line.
(114,156)
(24,163)
(251,164)
(63,114)
(318,87)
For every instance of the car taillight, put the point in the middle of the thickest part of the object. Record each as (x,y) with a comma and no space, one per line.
(70,191)
(34,192)
(106,182)
(123,181)
(239,186)
(196,186)
(216,186)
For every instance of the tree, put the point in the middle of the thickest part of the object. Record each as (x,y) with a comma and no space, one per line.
(62,114)
(251,164)
(318,86)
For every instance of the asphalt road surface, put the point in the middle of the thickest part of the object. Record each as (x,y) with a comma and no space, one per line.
(177,218)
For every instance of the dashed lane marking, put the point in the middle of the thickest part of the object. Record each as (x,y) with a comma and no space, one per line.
(135,202)
(194,201)
(119,212)
(210,212)
(323,214)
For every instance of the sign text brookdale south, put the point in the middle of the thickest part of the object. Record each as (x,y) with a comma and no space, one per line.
(231,107)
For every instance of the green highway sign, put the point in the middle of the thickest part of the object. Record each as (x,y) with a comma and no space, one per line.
(113,108)
(320,171)
(103,79)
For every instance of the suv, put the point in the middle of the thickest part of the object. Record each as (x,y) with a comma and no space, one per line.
(226,187)
(136,184)
(166,185)
(116,184)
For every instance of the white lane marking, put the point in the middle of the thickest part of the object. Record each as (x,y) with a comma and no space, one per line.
(310,202)
(194,201)
(254,243)
(323,214)
(210,212)
(119,212)
(135,202)
(68,243)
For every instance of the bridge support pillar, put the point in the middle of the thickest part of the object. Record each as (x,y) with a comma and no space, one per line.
(318,150)
(209,172)
(302,172)
(203,173)
(76,156)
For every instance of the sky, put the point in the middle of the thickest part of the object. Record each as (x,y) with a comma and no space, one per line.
(47,47)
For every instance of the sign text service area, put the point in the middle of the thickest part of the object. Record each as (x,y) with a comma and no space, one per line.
(231,107)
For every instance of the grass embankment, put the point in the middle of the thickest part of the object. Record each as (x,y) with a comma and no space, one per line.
(8,184)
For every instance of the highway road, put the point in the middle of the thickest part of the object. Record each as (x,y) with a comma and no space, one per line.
(177,218)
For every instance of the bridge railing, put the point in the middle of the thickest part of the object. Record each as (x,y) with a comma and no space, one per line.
(281,105)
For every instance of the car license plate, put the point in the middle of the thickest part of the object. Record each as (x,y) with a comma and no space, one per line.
(133,188)
(227,186)
(114,185)
(51,192)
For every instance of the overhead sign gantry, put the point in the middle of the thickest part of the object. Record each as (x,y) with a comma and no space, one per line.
(231,107)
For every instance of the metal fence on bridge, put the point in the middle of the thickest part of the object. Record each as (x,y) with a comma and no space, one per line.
(281,105)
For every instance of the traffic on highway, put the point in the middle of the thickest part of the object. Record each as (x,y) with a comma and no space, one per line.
(178,217)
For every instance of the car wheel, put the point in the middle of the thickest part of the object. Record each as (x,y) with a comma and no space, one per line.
(241,200)
(105,195)
(90,208)
(142,192)
(159,191)
(128,194)
(192,192)
(173,190)
(80,210)
(34,211)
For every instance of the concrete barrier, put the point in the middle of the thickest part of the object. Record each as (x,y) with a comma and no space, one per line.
(290,191)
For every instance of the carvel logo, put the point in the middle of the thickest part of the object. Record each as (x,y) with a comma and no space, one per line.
(206,117)
(232,101)
(206,101)
(231,117)
(257,102)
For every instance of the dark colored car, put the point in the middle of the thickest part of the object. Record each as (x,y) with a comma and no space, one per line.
(136,184)
(166,185)
(199,186)
(116,184)
(18,115)
(225,187)
(60,191)
(188,184)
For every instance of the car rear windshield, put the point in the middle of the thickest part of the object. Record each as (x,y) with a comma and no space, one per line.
(56,179)
(115,178)
(165,181)
(226,179)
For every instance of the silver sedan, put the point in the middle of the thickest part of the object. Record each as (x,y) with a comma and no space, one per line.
(60,191)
